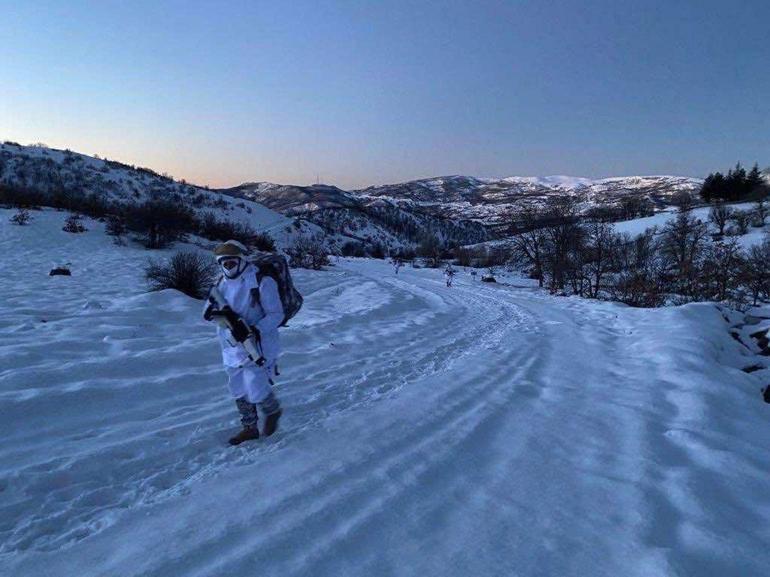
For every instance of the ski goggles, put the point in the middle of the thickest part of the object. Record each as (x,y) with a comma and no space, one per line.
(229,262)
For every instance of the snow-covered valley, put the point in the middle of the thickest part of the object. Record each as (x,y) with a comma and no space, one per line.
(478,430)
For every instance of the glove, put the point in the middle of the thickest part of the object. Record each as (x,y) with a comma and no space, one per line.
(239,329)
(226,313)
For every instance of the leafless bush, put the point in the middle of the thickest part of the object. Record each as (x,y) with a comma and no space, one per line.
(719,215)
(211,227)
(191,273)
(562,242)
(308,252)
(755,273)
(638,280)
(741,221)
(682,245)
(529,246)
(352,248)
(683,201)
(760,212)
(74,224)
(22,217)
(431,251)
(160,222)
(116,228)
(719,275)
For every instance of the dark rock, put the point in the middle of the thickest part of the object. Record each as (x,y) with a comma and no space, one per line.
(61,271)
(752,368)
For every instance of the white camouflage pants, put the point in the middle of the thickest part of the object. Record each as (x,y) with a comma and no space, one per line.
(251,382)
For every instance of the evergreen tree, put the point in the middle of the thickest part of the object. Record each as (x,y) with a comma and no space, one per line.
(754,179)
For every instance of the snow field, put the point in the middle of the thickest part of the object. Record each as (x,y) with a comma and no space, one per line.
(638,226)
(485,430)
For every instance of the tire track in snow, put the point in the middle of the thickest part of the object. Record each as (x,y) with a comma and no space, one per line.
(166,470)
(470,404)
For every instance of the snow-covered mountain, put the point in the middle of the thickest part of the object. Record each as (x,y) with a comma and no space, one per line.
(460,208)
(455,209)
(286,213)
(372,220)
(497,201)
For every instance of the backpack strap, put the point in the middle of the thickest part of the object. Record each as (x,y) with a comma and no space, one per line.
(256,297)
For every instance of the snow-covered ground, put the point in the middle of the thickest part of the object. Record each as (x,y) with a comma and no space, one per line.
(637,226)
(477,430)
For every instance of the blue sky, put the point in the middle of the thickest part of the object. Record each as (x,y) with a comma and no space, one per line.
(358,93)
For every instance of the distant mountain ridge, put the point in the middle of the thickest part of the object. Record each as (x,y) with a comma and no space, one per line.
(374,221)
(461,208)
(493,201)
(455,210)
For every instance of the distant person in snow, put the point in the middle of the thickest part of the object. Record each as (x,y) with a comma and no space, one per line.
(257,303)
(448,274)
(397,264)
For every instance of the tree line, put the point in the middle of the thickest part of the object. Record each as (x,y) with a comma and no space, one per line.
(679,262)
(155,222)
(737,185)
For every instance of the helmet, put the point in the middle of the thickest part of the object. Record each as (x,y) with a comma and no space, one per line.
(231,258)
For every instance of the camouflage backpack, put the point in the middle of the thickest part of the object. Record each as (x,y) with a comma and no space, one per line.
(276,267)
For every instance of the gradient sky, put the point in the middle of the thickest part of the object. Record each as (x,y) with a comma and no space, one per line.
(358,93)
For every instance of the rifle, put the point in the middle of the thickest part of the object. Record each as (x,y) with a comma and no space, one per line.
(227,318)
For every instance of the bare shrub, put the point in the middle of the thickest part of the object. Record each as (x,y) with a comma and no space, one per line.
(596,256)
(719,215)
(191,273)
(755,273)
(718,276)
(22,217)
(74,224)
(430,250)
(161,222)
(262,242)
(116,228)
(562,239)
(741,221)
(639,280)
(529,246)
(352,248)
(683,241)
(308,252)
(760,212)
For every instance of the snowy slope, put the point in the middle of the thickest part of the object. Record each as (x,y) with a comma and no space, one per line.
(371,221)
(52,171)
(637,226)
(478,430)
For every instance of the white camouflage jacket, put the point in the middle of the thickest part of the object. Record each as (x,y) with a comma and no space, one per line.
(260,306)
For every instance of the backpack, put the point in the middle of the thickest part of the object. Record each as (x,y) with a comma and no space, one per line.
(276,267)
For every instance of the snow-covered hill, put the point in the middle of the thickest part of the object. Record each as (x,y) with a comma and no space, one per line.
(372,221)
(478,430)
(52,171)
(458,209)
(498,201)
(755,234)
(66,173)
